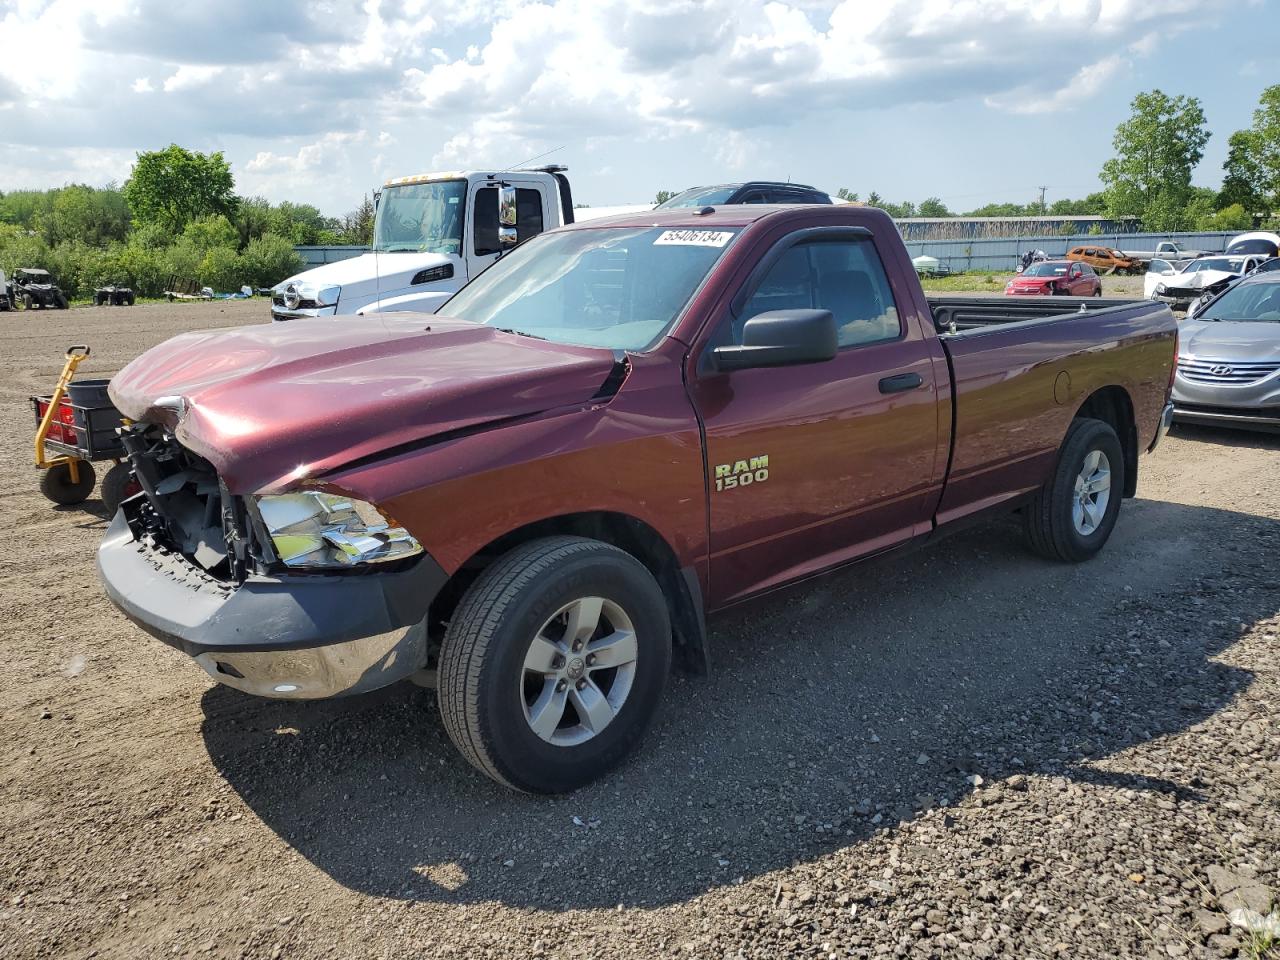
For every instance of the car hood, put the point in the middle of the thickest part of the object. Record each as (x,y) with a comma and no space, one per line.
(369,272)
(268,405)
(1229,340)
(1199,280)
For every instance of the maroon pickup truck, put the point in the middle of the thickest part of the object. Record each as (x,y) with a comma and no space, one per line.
(535,498)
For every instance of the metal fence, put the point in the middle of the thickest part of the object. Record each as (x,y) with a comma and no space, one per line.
(1001,255)
(998,255)
(315,256)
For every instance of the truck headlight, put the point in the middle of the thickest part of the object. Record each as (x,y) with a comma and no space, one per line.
(315,529)
(1160,288)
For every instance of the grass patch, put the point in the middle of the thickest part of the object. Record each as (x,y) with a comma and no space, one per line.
(967,282)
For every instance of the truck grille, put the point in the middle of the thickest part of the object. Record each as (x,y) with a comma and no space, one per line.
(1202,370)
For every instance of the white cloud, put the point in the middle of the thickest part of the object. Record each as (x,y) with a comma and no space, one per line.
(288,87)
(191,75)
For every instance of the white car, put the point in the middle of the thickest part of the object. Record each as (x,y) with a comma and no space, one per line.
(1179,283)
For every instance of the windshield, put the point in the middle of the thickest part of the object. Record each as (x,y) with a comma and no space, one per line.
(1248,301)
(420,217)
(618,287)
(1045,270)
(1226,265)
(701,197)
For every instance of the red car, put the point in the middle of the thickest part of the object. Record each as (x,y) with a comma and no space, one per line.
(1062,278)
(534,499)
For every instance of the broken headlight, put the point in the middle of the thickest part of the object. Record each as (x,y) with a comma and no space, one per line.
(315,529)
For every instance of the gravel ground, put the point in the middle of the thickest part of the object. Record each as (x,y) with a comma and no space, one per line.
(964,751)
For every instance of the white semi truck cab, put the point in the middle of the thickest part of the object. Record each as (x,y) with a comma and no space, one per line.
(431,234)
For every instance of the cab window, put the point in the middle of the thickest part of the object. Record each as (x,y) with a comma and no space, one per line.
(528,218)
(843,276)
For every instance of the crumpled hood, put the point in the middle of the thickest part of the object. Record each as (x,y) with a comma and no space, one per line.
(363,276)
(1200,280)
(1229,340)
(269,404)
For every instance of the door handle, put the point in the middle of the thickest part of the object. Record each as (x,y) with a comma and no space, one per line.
(899,382)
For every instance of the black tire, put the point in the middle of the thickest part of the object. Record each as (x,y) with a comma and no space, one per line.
(129,299)
(26,301)
(60,301)
(56,483)
(1048,519)
(118,485)
(482,661)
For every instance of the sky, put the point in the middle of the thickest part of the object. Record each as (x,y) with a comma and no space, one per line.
(320,101)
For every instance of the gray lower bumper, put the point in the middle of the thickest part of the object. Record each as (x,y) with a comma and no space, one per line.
(295,637)
(1245,418)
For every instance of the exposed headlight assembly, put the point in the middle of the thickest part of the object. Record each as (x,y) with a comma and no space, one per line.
(322,530)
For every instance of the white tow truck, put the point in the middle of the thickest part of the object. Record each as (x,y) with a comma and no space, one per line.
(432,233)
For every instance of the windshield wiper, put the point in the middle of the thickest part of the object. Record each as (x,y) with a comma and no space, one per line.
(519,333)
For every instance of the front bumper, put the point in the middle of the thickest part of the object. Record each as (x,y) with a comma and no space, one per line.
(1249,418)
(279,312)
(1166,421)
(289,637)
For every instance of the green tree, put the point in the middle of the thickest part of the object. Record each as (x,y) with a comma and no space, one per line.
(1234,217)
(357,226)
(933,207)
(874,200)
(1157,149)
(174,186)
(662,196)
(844,193)
(1252,169)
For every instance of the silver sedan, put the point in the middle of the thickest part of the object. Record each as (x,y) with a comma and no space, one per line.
(1229,358)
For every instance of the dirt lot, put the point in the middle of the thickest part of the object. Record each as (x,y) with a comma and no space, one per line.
(961,752)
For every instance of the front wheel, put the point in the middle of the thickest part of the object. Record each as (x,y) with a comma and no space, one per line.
(1071,517)
(57,485)
(553,665)
(118,485)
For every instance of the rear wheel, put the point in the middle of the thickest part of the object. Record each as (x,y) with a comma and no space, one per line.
(1073,514)
(26,301)
(118,485)
(60,301)
(554,663)
(57,485)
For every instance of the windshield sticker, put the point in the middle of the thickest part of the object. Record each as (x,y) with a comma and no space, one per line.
(692,238)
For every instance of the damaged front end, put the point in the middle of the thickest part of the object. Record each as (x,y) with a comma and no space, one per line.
(296,595)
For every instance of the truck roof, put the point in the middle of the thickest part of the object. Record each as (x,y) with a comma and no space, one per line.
(731,215)
(463,174)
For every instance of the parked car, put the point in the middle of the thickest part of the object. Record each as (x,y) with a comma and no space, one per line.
(1181,284)
(1259,243)
(1165,250)
(1104,259)
(1229,358)
(615,430)
(754,191)
(1055,278)
(1266,266)
(6,293)
(33,287)
(926,266)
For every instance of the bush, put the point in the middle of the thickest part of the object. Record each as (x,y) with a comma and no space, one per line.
(268,260)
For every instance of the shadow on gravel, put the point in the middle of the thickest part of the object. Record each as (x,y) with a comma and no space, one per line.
(1226,437)
(831,712)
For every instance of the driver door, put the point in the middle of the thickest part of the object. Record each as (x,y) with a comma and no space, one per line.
(482,247)
(811,466)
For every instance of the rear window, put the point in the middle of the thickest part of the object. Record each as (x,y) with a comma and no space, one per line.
(1267,248)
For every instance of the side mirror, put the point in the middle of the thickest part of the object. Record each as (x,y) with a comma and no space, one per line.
(780,338)
(506,216)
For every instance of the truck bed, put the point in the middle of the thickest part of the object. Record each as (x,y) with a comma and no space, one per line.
(1022,369)
(952,314)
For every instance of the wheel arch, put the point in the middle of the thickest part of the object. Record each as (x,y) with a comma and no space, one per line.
(680,585)
(1113,405)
